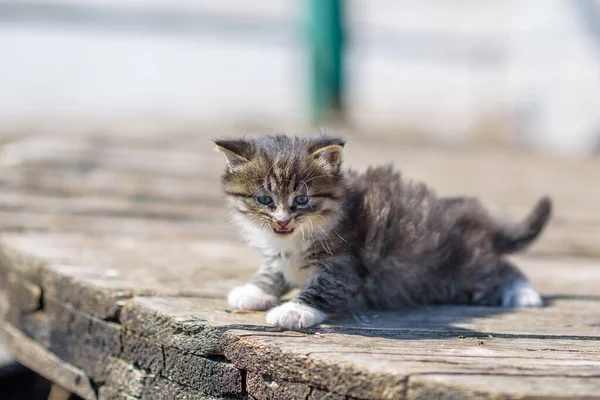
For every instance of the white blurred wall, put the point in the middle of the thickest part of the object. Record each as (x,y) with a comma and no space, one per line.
(438,67)
(120,60)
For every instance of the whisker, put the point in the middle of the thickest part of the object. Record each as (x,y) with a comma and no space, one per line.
(330,227)
(325,238)
(325,246)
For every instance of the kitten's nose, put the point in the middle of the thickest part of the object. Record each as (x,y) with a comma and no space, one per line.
(284,221)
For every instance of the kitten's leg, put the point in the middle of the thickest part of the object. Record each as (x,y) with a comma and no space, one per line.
(329,291)
(263,291)
(510,288)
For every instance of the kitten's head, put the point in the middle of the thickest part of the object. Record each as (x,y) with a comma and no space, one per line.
(284,185)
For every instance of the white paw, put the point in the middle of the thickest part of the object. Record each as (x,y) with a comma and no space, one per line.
(521,294)
(294,316)
(250,297)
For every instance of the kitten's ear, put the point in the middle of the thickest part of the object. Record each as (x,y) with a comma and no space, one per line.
(330,152)
(236,151)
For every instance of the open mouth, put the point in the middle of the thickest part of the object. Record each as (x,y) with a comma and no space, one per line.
(283,231)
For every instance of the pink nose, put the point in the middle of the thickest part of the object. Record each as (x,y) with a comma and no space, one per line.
(284,222)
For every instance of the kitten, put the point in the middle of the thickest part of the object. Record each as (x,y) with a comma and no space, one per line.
(374,239)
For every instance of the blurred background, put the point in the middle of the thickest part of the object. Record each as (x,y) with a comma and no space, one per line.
(521,72)
(105,105)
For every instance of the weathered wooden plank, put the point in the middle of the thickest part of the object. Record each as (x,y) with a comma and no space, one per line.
(574,240)
(565,317)
(566,314)
(37,358)
(486,386)
(378,368)
(86,153)
(116,184)
(427,344)
(146,353)
(95,275)
(128,190)
(101,290)
(127,382)
(501,177)
(13,261)
(262,387)
(509,182)
(206,375)
(109,206)
(94,345)
(125,378)
(563,278)
(5,358)
(99,225)
(498,170)
(25,295)
(35,325)
(164,389)
(92,272)
(190,324)
(82,340)
(160,389)
(78,339)
(214,378)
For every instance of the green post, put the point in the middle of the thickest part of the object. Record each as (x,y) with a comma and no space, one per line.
(326,33)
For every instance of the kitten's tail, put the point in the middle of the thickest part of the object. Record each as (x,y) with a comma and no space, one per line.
(511,238)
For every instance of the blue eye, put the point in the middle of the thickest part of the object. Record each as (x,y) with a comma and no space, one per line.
(301,200)
(265,200)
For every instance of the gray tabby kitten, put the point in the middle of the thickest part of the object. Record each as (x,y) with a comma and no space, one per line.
(372,239)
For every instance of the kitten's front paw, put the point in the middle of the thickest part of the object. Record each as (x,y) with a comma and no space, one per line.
(521,294)
(250,297)
(294,316)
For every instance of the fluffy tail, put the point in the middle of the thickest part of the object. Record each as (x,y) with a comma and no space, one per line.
(511,238)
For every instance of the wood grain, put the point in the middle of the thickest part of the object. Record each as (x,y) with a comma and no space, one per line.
(117,257)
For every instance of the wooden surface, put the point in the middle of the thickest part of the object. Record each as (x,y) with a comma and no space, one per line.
(5,358)
(117,257)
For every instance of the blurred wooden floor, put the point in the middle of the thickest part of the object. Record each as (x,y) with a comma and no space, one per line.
(118,256)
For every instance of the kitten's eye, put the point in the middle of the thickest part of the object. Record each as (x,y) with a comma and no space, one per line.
(301,200)
(265,200)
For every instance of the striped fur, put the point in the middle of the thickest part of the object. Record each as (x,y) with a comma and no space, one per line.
(372,239)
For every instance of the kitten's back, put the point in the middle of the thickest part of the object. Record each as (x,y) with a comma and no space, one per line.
(403,216)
